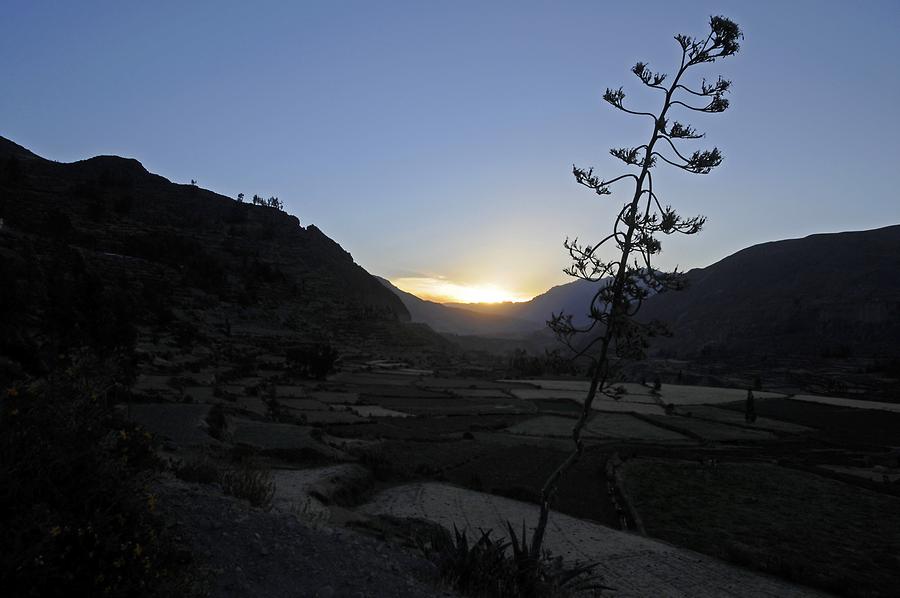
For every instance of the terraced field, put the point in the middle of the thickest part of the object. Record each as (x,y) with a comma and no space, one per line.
(809,528)
(476,452)
(603,426)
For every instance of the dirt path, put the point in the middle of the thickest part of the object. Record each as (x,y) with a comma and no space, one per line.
(634,565)
(248,552)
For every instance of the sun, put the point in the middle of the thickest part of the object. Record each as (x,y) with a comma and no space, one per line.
(444,291)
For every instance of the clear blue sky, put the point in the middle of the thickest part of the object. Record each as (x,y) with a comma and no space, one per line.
(436,139)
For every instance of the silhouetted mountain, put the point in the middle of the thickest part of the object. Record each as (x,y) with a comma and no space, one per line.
(94,250)
(572,298)
(458,320)
(825,294)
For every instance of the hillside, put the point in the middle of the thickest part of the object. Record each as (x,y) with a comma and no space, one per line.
(99,251)
(826,295)
(833,294)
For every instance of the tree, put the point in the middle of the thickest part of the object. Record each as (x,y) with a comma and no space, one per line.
(625,281)
(750,408)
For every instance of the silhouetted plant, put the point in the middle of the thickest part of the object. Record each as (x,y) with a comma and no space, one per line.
(272,202)
(503,568)
(629,278)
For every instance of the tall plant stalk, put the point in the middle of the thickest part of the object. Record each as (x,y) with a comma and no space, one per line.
(627,280)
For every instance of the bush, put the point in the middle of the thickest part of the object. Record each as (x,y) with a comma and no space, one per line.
(199,470)
(216,422)
(77,514)
(315,361)
(250,483)
(375,459)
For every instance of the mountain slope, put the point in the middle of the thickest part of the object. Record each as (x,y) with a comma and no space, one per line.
(835,293)
(458,320)
(92,249)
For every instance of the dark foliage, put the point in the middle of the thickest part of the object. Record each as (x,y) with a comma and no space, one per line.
(312,361)
(216,422)
(75,508)
(521,363)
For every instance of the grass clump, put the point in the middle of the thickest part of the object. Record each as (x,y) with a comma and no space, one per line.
(498,568)
(249,482)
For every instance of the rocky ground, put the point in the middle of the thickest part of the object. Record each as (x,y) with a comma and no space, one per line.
(244,551)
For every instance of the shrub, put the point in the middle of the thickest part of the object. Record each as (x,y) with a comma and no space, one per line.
(315,361)
(199,470)
(250,483)
(216,422)
(77,515)
(377,462)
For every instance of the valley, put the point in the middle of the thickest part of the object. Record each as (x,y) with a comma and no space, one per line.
(297,409)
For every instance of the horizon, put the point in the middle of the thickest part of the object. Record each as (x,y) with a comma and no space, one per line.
(451,294)
(435,144)
(429,289)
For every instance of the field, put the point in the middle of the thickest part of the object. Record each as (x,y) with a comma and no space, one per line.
(770,518)
(681,464)
(602,426)
(709,430)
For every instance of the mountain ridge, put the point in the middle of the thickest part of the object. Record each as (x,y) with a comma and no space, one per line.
(158,253)
(833,293)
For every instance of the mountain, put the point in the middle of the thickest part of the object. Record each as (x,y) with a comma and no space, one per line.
(458,320)
(98,251)
(825,294)
(572,298)
(833,294)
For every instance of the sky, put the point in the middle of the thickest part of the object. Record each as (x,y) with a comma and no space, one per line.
(435,140)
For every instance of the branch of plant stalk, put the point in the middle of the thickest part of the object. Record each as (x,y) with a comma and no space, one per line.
(723,38)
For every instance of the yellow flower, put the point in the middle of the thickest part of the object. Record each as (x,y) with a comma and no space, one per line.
(55,531)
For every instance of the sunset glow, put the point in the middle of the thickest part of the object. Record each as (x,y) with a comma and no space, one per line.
(445,291)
